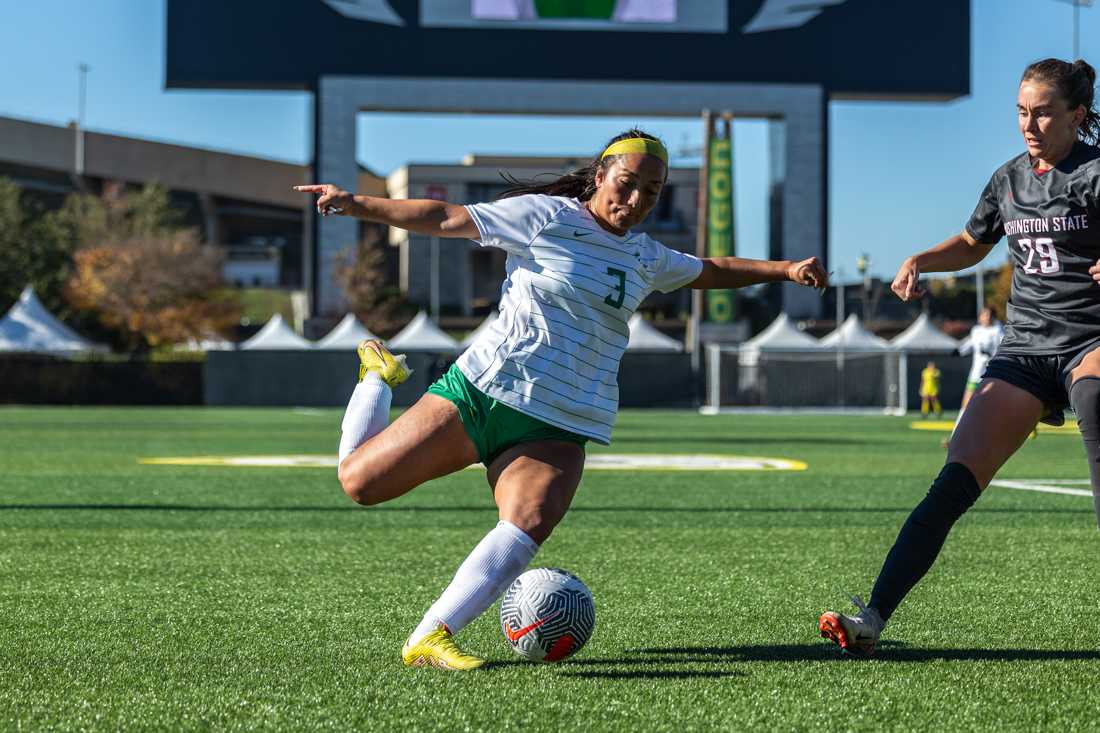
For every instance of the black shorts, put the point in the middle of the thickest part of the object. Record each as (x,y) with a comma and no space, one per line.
(1046,377)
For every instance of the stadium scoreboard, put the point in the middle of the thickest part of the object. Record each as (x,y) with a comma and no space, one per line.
(858,48)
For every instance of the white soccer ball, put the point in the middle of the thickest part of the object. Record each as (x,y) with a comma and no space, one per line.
(547,615)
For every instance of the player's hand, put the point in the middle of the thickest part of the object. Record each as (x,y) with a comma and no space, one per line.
(907,282)
(331,200)
(1095,271)
(808,272)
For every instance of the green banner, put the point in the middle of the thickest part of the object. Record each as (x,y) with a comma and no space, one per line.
(720,222)
(587,9)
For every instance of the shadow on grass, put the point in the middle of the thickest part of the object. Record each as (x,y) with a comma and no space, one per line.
(888,651)
(728,441)
(489,508)
(636,667)
(652,674)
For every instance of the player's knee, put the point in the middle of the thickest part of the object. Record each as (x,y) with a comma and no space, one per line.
(1084,398)
(356,485)
(537,522)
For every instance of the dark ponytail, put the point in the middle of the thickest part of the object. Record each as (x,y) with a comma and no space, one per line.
(580,183)
(1076,83)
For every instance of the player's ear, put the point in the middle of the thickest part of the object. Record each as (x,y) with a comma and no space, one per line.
(1079,115)
(601,172)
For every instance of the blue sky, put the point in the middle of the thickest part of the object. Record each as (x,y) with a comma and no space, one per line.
(903,176)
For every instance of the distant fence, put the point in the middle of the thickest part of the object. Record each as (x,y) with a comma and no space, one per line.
(31,379)
(327,378)
(279,378)
(884,379)
(303,378)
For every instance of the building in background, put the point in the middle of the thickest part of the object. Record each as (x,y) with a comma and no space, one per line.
(241,203)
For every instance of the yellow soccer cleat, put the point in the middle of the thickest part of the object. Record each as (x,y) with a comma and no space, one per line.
(375,357)
(438,649)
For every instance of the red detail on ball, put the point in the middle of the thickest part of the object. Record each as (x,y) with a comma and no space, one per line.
(562,648)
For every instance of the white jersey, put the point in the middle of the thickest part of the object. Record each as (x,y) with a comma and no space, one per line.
(571,287)
(983,341)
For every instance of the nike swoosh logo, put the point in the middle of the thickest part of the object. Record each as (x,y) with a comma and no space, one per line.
(515,635)
(579,234)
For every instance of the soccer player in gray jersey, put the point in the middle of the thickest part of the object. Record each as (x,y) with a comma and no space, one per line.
(1047,201)
(527,395)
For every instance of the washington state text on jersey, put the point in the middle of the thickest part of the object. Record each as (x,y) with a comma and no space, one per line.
(1042,226)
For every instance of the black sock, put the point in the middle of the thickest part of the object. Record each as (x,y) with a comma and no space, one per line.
(1084,398)
(953,492)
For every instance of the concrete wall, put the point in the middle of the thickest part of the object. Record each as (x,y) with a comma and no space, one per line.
(302,378)
(327,378)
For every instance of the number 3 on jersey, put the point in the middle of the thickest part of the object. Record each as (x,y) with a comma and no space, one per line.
(1048,256)
(618,292)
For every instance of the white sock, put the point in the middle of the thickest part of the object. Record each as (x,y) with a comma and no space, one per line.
(486,573)
(367,415)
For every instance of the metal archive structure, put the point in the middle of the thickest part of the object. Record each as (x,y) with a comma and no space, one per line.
(782,60)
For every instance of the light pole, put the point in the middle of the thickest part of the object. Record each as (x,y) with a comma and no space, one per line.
(863,266)
(81,97)
(1077,5)
(979,287)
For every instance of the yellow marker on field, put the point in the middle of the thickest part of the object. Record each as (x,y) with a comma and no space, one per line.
(946,426)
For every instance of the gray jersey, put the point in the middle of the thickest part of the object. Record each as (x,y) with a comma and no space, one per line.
(1052,221)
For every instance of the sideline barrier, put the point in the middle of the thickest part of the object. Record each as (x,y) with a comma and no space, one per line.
(313,378)
(31,379)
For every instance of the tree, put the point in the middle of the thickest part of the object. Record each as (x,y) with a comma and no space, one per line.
(29,251)
(154,289)
(363,280)
(89,221)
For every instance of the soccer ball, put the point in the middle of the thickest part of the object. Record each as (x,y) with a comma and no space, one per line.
(547,615)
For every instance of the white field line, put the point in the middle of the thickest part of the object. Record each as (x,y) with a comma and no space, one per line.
(1045,486)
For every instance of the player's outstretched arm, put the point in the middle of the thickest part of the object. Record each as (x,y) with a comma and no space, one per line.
(420,216)
(952,254)
(738,272)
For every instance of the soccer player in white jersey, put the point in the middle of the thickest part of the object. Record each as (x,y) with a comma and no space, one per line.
(982,342)
(542,381)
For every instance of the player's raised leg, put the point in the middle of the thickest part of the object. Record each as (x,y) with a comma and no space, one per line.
(378,461)
(533,484)
(995,424)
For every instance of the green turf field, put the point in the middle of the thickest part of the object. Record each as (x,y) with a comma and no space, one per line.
(194,597)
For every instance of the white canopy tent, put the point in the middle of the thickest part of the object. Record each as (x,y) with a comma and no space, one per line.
(852,336)
(781,335)
(921,335)
(276,335)
(346,334)
(423,335)
(476,333)
(644,337)
(29,328)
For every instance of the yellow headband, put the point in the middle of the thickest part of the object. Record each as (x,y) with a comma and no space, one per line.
(637,145)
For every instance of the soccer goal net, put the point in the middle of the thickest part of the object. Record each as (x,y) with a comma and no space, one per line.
(839,380)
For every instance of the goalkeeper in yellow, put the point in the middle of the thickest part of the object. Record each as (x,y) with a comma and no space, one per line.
(930,390)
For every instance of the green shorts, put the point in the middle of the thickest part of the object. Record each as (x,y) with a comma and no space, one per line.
(492,425)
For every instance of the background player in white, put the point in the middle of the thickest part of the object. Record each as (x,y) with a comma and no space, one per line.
(527,395)
(982,342)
